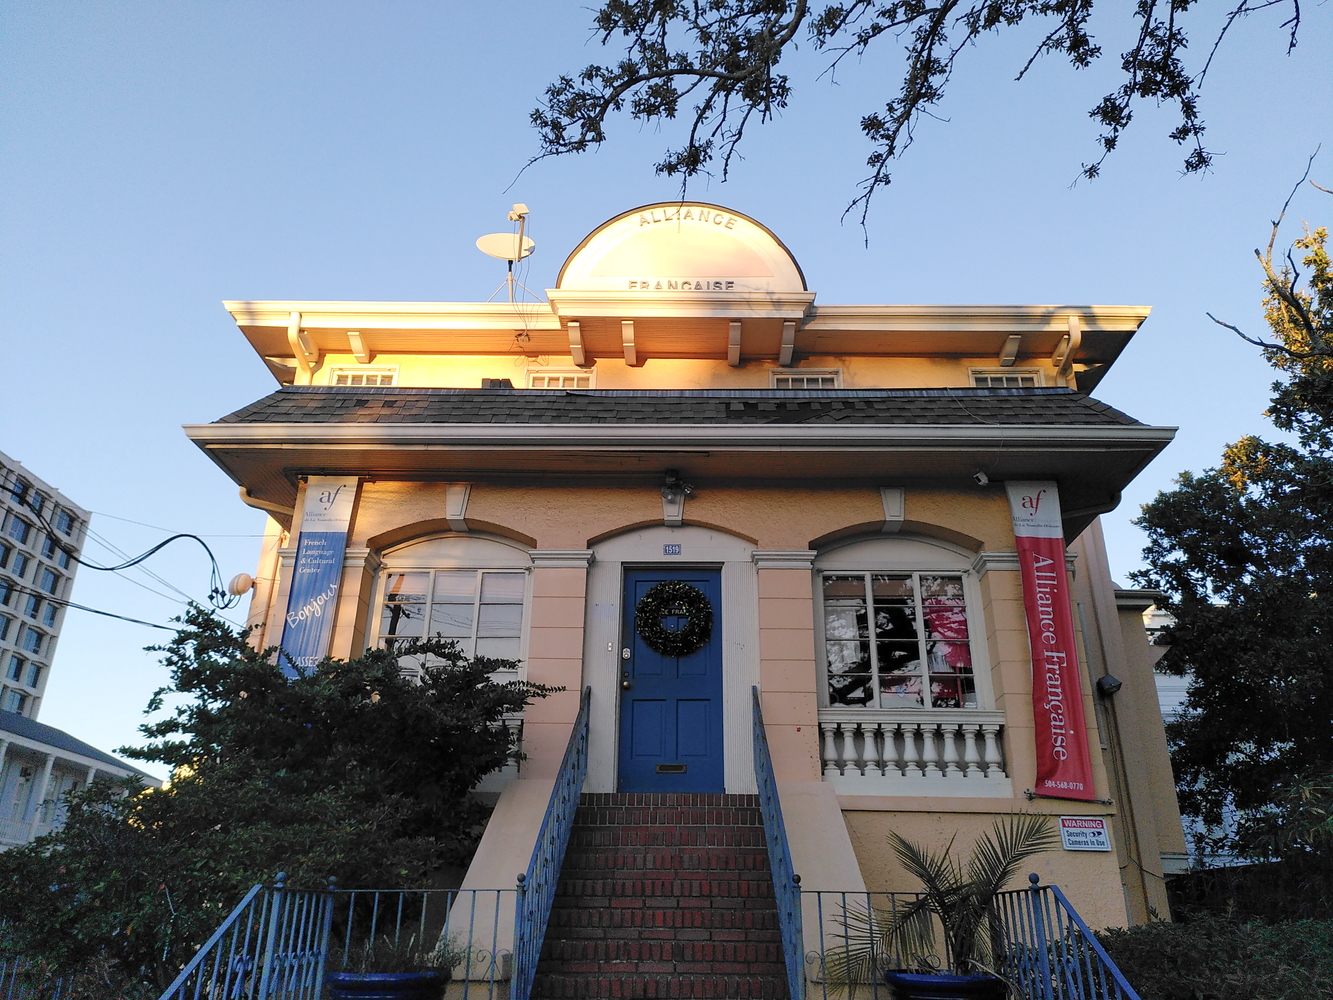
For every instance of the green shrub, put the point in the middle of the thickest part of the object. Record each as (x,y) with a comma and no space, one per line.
(1217,957)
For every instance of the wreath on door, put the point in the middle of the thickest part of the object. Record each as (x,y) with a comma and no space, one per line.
(680,599)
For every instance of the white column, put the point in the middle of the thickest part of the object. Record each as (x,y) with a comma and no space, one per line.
(41,795)
(92,773)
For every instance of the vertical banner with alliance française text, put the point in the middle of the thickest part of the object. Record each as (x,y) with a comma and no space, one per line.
(1064,768)
(317,573)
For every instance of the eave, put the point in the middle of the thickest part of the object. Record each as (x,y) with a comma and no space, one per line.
(1091,463)
(677,325)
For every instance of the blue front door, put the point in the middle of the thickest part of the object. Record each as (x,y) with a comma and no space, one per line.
(671,707)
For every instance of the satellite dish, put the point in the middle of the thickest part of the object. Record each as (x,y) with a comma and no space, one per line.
(506,246)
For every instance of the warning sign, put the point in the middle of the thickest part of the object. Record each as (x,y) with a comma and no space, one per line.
(1084,833)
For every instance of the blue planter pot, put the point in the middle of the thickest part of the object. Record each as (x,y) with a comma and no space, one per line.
(386,985)
(942,986)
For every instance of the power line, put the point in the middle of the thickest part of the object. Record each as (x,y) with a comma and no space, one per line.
(184,600)
(217,593)
(169,531)
(84,607)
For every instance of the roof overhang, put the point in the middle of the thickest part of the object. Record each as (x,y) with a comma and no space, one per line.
(678,324)
(1091,463)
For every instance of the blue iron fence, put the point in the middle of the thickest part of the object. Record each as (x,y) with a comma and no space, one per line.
(278,943)
(19,980)
(786,883)
(1039,944)
(273,944)
(536,888)
(1051,953)
(453,929)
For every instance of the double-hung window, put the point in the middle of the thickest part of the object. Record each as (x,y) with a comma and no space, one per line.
(482,610)
(897,640)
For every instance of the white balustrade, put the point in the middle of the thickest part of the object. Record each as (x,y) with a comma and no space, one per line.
(904,752)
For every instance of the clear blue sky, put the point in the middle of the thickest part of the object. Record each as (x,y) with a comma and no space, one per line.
(158,157)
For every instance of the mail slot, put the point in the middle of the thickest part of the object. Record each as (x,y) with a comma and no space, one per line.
(672,768)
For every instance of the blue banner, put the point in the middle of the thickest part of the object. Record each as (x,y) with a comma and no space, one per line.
(317,573)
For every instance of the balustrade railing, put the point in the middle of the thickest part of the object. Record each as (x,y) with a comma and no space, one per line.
(457,930)
(924,748)
(20,980)
(1051,953)
(272,945)
(786,883)
(537,886)
(1040,945)
(279,943)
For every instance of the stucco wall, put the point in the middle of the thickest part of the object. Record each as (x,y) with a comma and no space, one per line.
(1084,876)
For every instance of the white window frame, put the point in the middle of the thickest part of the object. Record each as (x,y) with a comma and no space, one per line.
(349,370)
(534,374)
(402,561)
(774,374)
(885,561)
(1037,375)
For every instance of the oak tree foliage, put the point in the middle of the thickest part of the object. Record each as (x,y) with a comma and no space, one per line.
(1244,554)
(358,769)
(716,65)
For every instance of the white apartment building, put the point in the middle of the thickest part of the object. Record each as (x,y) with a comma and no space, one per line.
(41,535)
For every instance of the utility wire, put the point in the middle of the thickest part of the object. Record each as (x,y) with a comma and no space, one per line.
(122,554)
(184,600)
(158,527)
(217,592)
(83,607)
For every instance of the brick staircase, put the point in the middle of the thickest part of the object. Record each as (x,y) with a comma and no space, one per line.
(664,896)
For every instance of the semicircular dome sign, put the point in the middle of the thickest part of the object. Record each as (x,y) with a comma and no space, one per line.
(681,247)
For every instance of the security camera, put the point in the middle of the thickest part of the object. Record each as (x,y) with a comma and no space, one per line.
(980,478)
(1108,685)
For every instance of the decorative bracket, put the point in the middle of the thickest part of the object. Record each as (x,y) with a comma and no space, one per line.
(1009,352)
(456,496)
(576,344)
(627,341)
(674,492)
(788,342)
(359,349)
(894,499)
(734,343)
(1063,358)
(302,348)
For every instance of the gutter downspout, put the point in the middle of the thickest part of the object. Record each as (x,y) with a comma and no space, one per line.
(264,505)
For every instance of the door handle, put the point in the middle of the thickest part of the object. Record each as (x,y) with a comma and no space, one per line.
(624,681)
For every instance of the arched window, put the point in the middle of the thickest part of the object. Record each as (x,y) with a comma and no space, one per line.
(470,589)
(899,626)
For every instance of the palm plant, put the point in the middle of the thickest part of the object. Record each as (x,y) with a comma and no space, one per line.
(959,896)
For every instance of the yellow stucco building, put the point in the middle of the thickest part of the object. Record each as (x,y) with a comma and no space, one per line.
(831,478)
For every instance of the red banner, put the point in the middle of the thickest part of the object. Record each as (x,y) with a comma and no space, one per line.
(1064,767)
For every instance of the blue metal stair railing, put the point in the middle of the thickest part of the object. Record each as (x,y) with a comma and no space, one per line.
(786,883)
(272,945)
(1050,953)
(536,888)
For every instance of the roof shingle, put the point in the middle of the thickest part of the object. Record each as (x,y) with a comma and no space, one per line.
(325,404)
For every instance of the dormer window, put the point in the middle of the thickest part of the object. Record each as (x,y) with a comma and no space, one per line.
(805,378)
(1006,378)
(359,376)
